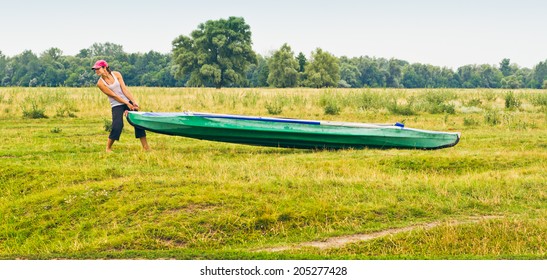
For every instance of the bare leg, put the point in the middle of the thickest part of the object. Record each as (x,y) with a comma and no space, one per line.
(109,145)
(144,144)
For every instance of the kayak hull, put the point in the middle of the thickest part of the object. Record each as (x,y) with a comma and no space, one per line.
(290,133)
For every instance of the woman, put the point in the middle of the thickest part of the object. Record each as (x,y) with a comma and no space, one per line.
(121,100)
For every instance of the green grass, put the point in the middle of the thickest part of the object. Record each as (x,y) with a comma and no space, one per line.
(62,196)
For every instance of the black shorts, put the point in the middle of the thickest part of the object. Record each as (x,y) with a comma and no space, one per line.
(117,123)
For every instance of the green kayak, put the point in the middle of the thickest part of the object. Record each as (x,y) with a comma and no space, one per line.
(291,133)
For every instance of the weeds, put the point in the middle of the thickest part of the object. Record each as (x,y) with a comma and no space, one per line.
(250,99)
(468,121)
(492,117)
(34,112)
(369,101)
(405,110)
(539,99)
(56,130)
(332,108)
(275,107)
(511,101)
(66,110)
(490,96)
(474,102)
(331,104)
(107,125)
(437,103)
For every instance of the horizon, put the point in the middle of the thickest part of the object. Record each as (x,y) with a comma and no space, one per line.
(307,56)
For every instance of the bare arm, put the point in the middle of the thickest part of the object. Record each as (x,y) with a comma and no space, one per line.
(110,93)
(125,90)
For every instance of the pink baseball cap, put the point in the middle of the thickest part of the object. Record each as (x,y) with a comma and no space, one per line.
(99,64)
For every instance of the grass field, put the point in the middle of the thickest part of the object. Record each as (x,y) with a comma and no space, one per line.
(62,196)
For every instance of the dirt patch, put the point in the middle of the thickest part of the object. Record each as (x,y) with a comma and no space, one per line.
(339,241)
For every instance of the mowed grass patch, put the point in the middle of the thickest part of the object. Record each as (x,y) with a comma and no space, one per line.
(62,196)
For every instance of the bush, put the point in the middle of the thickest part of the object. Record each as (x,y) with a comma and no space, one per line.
(490,96)
(250,99)
(107,125)
(368,100)
(442,108)
(332,108)
(331,104)
(66,111)
(437,103)
(539,100)
(274,107)
(470,122)
(511,101)
(34,112)
(404,110)
(492,117)
(474,102)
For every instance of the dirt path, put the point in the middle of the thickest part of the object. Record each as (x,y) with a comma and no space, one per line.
(339,241)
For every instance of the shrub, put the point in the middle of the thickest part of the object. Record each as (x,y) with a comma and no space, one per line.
(332,108)
(511,101)
(490,96)
(404,110)
(492,117)
(274,108)
(331,104)
(437,103)
(107,125)
(368,100)
(250,99)
(67,110)
(539,100)
(442,108)
(34,112)
(474,102)
(470,122)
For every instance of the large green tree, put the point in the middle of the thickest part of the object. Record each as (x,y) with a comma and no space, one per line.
(323,70)
(217,53)
(283,68)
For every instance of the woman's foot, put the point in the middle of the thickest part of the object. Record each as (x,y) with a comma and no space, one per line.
(144,144)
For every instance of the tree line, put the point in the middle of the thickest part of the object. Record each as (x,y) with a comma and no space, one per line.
(219,54)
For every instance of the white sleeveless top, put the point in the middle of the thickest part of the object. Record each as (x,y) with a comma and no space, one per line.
(117,89)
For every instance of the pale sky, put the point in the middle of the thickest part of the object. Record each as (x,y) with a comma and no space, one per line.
(441,33)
